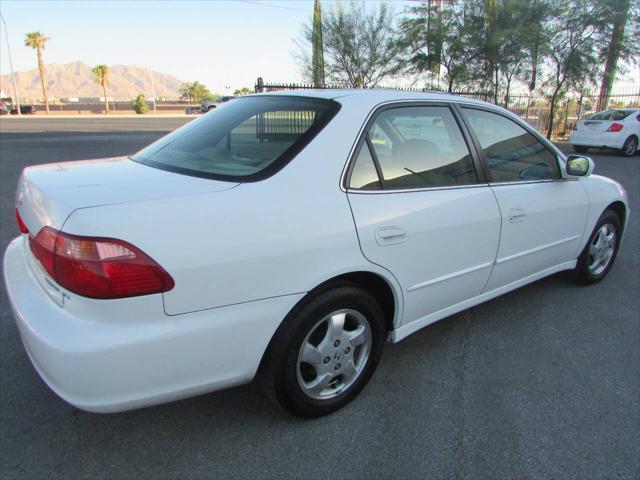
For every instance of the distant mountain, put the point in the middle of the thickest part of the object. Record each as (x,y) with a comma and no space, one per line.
(75,80)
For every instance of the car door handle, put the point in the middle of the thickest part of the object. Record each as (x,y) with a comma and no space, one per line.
(390,236)
(517,215)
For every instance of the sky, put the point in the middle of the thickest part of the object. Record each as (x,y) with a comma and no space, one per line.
(225,44)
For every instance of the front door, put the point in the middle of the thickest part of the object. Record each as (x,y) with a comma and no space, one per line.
(543,215)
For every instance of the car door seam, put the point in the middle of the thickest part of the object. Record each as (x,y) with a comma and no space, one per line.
(401,293)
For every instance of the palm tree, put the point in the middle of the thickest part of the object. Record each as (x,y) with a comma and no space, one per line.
(101,76)
(37,41)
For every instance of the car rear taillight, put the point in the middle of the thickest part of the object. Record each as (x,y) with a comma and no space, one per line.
(575,125)
(23,228)
(98,267)
(615,127)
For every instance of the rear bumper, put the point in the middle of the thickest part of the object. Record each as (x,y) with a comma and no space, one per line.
(138,359)
(598,140)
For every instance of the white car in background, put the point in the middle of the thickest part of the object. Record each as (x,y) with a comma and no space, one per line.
(291,235)
(618,129)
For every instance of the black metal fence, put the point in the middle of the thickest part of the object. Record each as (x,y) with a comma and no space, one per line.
(535,107)
(283,125)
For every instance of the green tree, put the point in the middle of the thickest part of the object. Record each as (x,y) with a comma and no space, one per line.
(573,55)
(361,46)
(433,38)
(101,76)
(317,46)
(512,36)
(139,104)
(196,92)
(243,91)
(619,28)
(498,33)
(538,13)
(37,41)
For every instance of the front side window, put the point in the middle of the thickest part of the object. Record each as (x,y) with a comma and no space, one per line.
(511,153)
(244,140)
(416,147)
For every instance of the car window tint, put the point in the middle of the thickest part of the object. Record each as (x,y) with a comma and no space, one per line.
(364,175)
(420,147)
(599,116)
(241,139)
(619,114)
(610,115)
(511,153)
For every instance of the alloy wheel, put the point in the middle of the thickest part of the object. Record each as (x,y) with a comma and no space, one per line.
(334,354)
(601,249)
(630,146)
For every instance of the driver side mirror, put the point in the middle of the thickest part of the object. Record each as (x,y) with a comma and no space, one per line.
(579,166)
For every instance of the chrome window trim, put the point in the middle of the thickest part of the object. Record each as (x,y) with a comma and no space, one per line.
(350,157)
(410,190)
(560,157)
(524,182)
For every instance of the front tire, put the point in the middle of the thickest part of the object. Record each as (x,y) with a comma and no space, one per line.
(601,250)
(325,351)
(630,146)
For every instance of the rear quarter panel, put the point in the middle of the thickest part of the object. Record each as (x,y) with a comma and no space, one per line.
(280,236)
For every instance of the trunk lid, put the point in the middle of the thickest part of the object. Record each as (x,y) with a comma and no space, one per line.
(48,194)
(602,121)
(597,126)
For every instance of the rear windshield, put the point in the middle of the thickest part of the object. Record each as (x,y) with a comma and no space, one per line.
(611,115)
(245,140)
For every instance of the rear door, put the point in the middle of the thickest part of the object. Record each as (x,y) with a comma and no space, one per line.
(421,206)
(543,214)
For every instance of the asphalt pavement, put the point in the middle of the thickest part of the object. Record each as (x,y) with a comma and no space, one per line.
(543,382)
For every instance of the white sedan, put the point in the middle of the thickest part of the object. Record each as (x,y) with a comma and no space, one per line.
(291,235)
(617,129)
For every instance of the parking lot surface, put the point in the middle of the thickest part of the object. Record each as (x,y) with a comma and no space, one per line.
(543,382)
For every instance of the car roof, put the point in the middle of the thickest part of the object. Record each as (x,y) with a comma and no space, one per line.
(618,110)
(375,96)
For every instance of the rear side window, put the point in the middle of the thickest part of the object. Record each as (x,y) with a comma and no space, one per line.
(245,140)
(414,147)
(611,115)
(511,153)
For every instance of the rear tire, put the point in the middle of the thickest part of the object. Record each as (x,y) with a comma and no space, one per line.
(601,250)
(580,149)
(325,351)
(630,146)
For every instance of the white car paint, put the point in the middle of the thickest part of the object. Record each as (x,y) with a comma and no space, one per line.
(244,254)
(593,133)
(434,225)
(542,226)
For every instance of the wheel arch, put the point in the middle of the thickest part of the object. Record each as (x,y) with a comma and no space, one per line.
(620,209)
(374,283)
(633,135)
(384,289)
